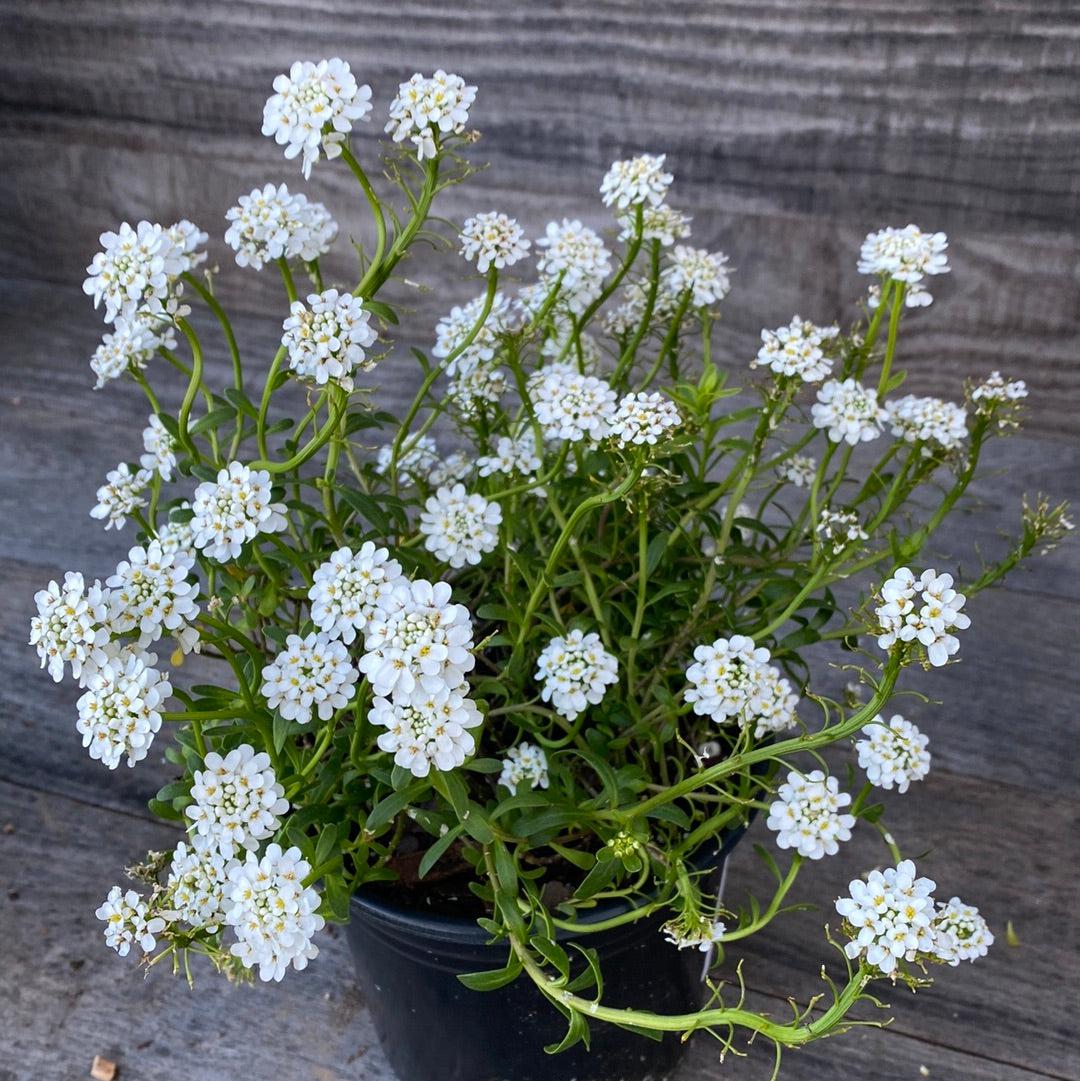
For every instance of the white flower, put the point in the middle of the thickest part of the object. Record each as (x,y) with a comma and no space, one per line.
(272,913)
(474,386)
(493,239)
(628,316)
(840,528)
(636,181)
(996,389)
(458,527)
(524,764)
(127,923)
(120,713)
(71,627)
(961,932)
(916,295)
(120,495)
(232,510)
(313,108)
(703,273)
(238,801)
(799,470)
(560,342)
(128,348)
(160,447)
(732,680)
(177,538)
(928,420)
(922,610)
(701,934)
(511,456)
(347,589)
(453,329)
(418,636)
(890,916)
(893,753)
(904,255)
(272,223)
(187,238)
(151,593)
(451,468)
(807,815)
(661,223)
(196,887)
(326,339)
(310,675)
(795,350)
(425,107)
(426,728)
(576,672)
(418,457)
(644,418)
(848,411)
(569,405)
(574,251)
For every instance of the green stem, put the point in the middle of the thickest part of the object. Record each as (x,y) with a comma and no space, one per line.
(890,345)
(377,214)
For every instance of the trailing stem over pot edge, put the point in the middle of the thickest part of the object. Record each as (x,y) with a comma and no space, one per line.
(575,643)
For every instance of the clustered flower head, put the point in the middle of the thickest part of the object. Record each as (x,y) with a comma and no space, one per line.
(840,529)
(128,348)
(575,254)
(196,887)
(637,181)
(916,295)
(928,420)
(807,815)
(893,753)
(418,457)
(796,350)
(904,255)
(238,801)
(732,680)
(326,339)
(427,728)
(524,764)
(519,455)
(569,405)
(962,934)
(71,626)
(273,223)
(923,610)
(663,223)
(160,448)
(232,510)
(426,107)
(848,411)
(176,537)
(459,527)
(576,672)
(696,933)
(120,495)
(313,108)
(453,331)
(128,922)
(644,418)
(347,589)
(493,240)
(311,674)
(799,470)
(704,274)
(272,912)
(997,395)
(150,592)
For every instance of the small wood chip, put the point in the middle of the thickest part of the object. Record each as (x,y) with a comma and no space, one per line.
(102,1069)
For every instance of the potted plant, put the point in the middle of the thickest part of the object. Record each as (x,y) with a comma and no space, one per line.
(509,703)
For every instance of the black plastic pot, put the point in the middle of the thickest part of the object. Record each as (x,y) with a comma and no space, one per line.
(433,1028)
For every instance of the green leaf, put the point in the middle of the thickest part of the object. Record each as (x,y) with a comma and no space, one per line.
(281,731)
(388,808)
(577,1032)
(655,551)
(241,402)
(505,869)
(383,311)
(438,849)
(554,954)
(164,810)
(212,419)
(493,979)
(602,873)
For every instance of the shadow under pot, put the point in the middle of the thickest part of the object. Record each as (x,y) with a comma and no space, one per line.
(433,1028)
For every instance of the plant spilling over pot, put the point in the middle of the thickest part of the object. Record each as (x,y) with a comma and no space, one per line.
(546,668)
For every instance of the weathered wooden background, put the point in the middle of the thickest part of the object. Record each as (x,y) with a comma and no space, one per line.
(793,128)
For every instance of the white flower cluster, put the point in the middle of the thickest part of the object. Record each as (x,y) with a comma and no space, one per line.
(928,420)
(160,448)
(636,181)
(628,315)
(311,674)
(512,455)
(576,672)
(904,255)
(808,815)
(893,753)
(272,913)
(120,495)
(453,329)
(459,527)
(574,252)
(71,627)
(961,932)
(177,538)
(732,680)
(996,389)
(313,108)
(644,418)
(569,405)
(233,510)
(196,886)
(427,728)
(326,339)
(923,609)
(916,295)
(662,223)
(474,387)
(493,240)
(419,456)
(238,801)
(704,274)
(347,589)
(525,764)
(795,350)
(120,713)
(799,470)
(150,592)
(425,107)
(128,923)
(273,223)
(450,468)
(840,529)
(848,411)
(699,934)
(128,348)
